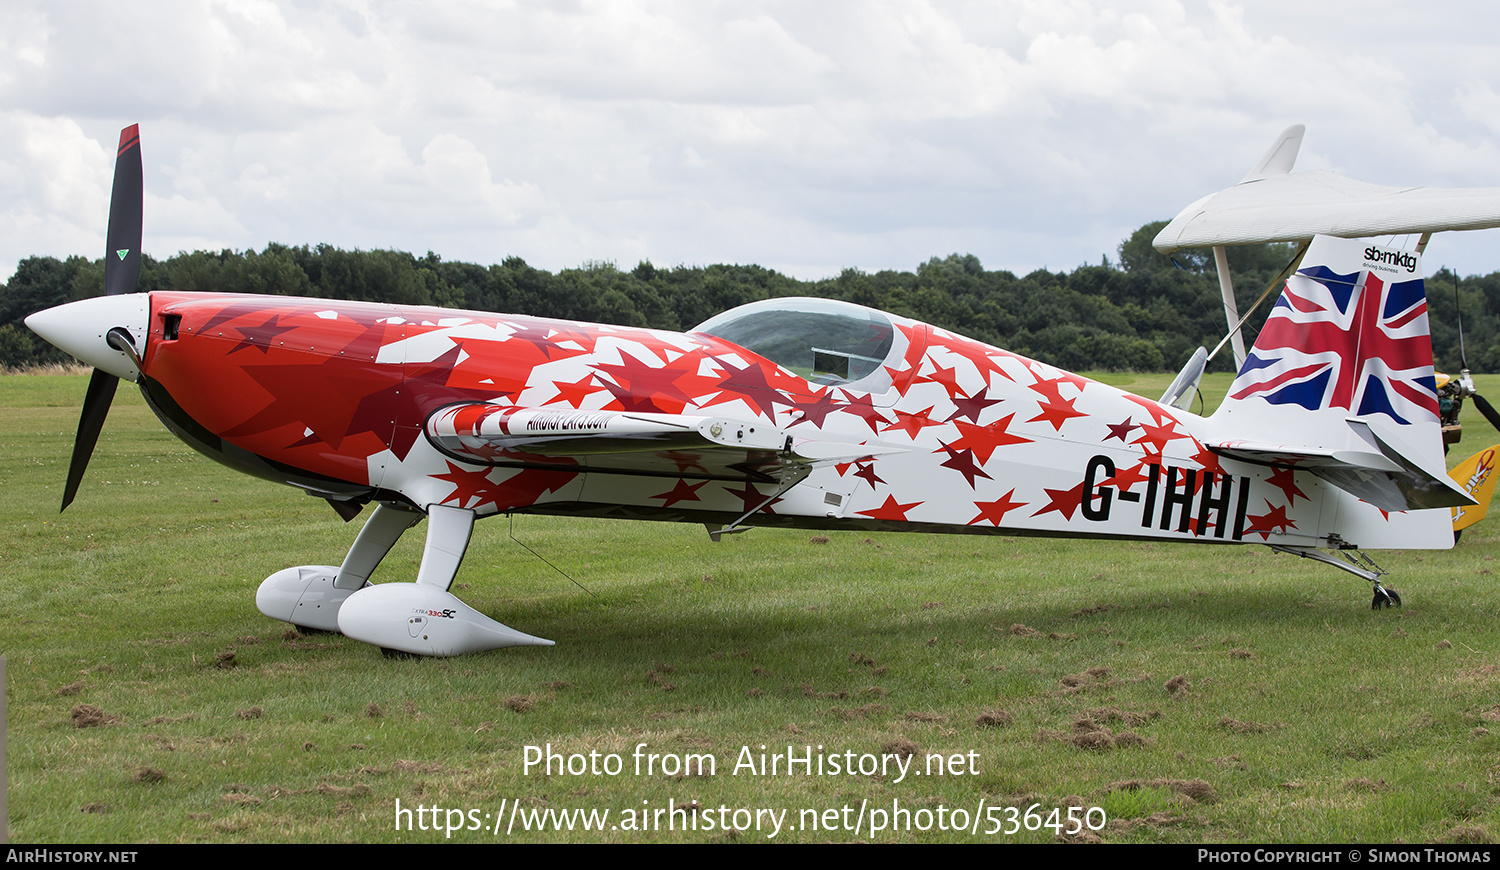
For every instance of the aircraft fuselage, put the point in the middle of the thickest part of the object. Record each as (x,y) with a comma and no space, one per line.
(334,397)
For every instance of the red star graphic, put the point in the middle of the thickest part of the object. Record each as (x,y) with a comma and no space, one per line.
(498,367)
(1286,480)
(1206,459)
(683,491)
(1158,413)
(545,337)
(867,473)
(1119,430)
(1126,478)
(521,489)
(467,485)
(891,510)
(962,461)
(752,384)
(1064,501)
(863,407)
(971,406)
(947,377)
(260,337)
(666,389)
(1159,436)
(750,498)
(1057,413)
(1274,518)
(898,378)
(575,392)
(1078,381)
(815,411)
(984,358)
(994,512)
(1051,388)
(984,439)
(1150,457)
(911,424)
(916,346)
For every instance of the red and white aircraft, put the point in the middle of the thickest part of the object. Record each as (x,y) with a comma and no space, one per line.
(807,413)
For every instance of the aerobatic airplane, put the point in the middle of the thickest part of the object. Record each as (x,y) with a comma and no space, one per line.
(807,413)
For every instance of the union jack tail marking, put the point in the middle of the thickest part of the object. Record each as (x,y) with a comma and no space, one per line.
(1356,341)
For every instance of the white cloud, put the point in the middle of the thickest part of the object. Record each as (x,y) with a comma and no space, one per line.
(809,137)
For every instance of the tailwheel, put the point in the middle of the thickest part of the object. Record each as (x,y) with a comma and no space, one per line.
(1384,598)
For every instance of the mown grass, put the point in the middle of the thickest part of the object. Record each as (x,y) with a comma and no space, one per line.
(1194,693)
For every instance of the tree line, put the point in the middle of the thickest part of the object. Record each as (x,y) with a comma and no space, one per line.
(1142,312)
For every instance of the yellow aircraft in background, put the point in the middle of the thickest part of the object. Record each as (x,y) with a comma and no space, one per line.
(1475,475)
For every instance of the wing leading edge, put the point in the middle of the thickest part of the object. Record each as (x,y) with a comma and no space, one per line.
(1274,204)
(677,445)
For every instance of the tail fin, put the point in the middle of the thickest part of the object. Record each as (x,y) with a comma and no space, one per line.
(1340,381)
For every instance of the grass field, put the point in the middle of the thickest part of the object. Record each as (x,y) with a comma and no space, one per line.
(1190,693)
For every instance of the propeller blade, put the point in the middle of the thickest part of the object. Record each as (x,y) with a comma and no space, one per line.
(122,268)
(95,409)
(122,255)
(1487,410)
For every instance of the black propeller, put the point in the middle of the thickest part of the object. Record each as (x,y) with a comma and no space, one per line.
(122,268)
(1486,409)
(1465,384)
(122,257)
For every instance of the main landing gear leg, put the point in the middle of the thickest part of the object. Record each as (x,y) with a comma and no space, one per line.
(310,596)
(381,532)
(423,618)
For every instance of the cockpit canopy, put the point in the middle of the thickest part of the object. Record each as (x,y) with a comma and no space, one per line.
(822,340)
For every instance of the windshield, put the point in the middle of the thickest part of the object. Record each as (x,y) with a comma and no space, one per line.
(822,340)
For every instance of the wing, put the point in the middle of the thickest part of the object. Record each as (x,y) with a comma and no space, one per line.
(675,445)
(1274,204)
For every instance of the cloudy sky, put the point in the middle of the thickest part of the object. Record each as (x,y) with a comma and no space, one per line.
(808,137)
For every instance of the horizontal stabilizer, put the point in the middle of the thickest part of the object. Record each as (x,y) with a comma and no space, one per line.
(1379,470)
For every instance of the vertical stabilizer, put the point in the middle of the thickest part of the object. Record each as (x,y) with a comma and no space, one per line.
(1348,337)
(1340,381)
